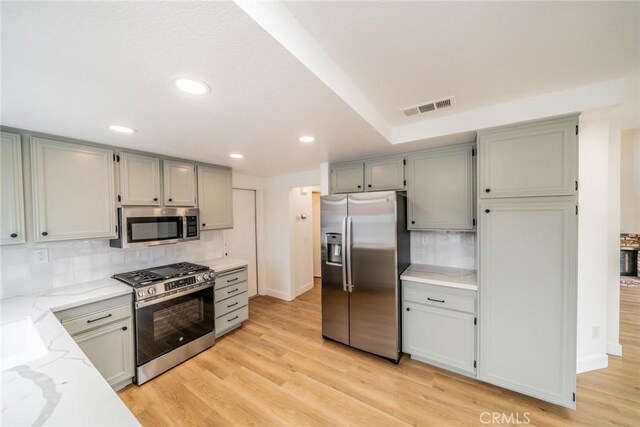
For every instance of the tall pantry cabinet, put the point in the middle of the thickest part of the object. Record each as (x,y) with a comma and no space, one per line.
(527,233)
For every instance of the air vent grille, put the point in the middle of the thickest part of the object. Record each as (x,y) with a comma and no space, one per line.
(427,106)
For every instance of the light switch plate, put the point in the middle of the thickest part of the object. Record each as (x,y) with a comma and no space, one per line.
(41,256)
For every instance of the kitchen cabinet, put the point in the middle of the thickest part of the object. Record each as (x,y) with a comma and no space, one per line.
(73,191)
(231,299)
(139,180)
(215,198)
(438,326)
(179,183)
(528,296)
(104,332)
(347,177)
(12,229)
(440,188)
(536,159)
(385,173)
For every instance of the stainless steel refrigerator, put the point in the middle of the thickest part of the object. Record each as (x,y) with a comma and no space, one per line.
(365,248)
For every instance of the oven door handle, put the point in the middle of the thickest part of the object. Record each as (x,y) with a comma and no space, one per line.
(141,304)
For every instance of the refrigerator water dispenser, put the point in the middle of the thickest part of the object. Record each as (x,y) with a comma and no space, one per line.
(334,249)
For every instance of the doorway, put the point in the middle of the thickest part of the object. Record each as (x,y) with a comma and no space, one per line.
(241,240)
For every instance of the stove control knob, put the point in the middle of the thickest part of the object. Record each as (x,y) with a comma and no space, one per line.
(151,291)
(140,293)
(199,277)
(207,276)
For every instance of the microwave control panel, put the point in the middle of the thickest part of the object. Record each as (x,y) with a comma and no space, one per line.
(192,226)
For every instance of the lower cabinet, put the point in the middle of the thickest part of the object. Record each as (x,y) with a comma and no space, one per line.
(104,332)
(231,299)
(439,326)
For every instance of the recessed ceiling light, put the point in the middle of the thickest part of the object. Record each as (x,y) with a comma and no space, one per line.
(307,139)
(191,86)
(236,156)
(122,129)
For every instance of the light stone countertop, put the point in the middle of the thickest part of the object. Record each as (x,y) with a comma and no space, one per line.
(62,387)
(222,264)
(441,276)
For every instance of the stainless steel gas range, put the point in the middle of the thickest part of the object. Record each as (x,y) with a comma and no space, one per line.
(174,315)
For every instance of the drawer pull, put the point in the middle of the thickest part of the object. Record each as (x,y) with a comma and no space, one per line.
(435,300)
(233,290)
(232,319)
(235,303)
(232,280)
(99,318)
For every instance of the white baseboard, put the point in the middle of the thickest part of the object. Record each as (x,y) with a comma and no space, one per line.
(614,348)
(304,289)
(278,294)
(591,363)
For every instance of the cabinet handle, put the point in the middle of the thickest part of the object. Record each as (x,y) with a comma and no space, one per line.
(99,318)
(359,186)
(171,200)
(487,190)
(487,210)
(204,225)
(14,235)
(124,328)
(413,222)
(408,309)
(369,185)
(232,319)
(232,280)
(435,300)
(235,303)
(233,290)
(44,233)
(155,199)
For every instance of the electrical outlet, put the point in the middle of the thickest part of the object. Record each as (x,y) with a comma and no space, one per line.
(595,331)
(41,256)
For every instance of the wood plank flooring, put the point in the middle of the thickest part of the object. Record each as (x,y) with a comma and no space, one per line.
(277,370)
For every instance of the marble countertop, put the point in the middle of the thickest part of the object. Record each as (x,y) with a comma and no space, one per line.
(441,276)
(62,387)
(223,264)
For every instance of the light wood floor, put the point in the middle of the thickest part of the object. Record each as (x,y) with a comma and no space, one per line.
(277,370)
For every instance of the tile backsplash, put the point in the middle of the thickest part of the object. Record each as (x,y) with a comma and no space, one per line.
(444,248)
(80,261)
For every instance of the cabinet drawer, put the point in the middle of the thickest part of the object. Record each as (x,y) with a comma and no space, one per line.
(440,299)
(229,278)
(98,318)
(230,291)
(89,309)
(231,304)
(231,319)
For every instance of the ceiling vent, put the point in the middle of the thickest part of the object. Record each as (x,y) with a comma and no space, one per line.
(427,106)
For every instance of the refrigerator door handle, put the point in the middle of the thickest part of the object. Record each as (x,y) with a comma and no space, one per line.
(344,254)
(348,250)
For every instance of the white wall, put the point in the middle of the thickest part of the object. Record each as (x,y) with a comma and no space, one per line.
(300,206)
(317,251)
(630,182)
(444,248)
(613,245)
(278,233)
(594,245)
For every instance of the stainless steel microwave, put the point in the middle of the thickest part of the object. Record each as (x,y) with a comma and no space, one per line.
(147,226)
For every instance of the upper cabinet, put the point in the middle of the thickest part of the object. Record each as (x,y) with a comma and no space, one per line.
(440,188)
(12,206)
(179,183)
(139,180)
(215,198)
(385,173)
(537,159)
(73,191)
(347,177)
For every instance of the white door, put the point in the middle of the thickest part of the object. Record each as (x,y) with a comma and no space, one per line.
(240,241)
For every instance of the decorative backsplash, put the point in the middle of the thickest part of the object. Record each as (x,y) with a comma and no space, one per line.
(81,261)
(444,248)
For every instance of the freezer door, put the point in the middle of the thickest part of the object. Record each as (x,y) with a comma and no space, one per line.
(335,300)
(374,317)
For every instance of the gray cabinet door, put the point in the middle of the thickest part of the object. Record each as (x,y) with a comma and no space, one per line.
(179,183)
(528,292)
(386,173)
(440,336)
(110,349)
(347,177)
(73,191)
(537,159)
(215,197)
(440,188)
(139,180)
(12,205)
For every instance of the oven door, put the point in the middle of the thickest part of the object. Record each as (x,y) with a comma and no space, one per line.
(169,322)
